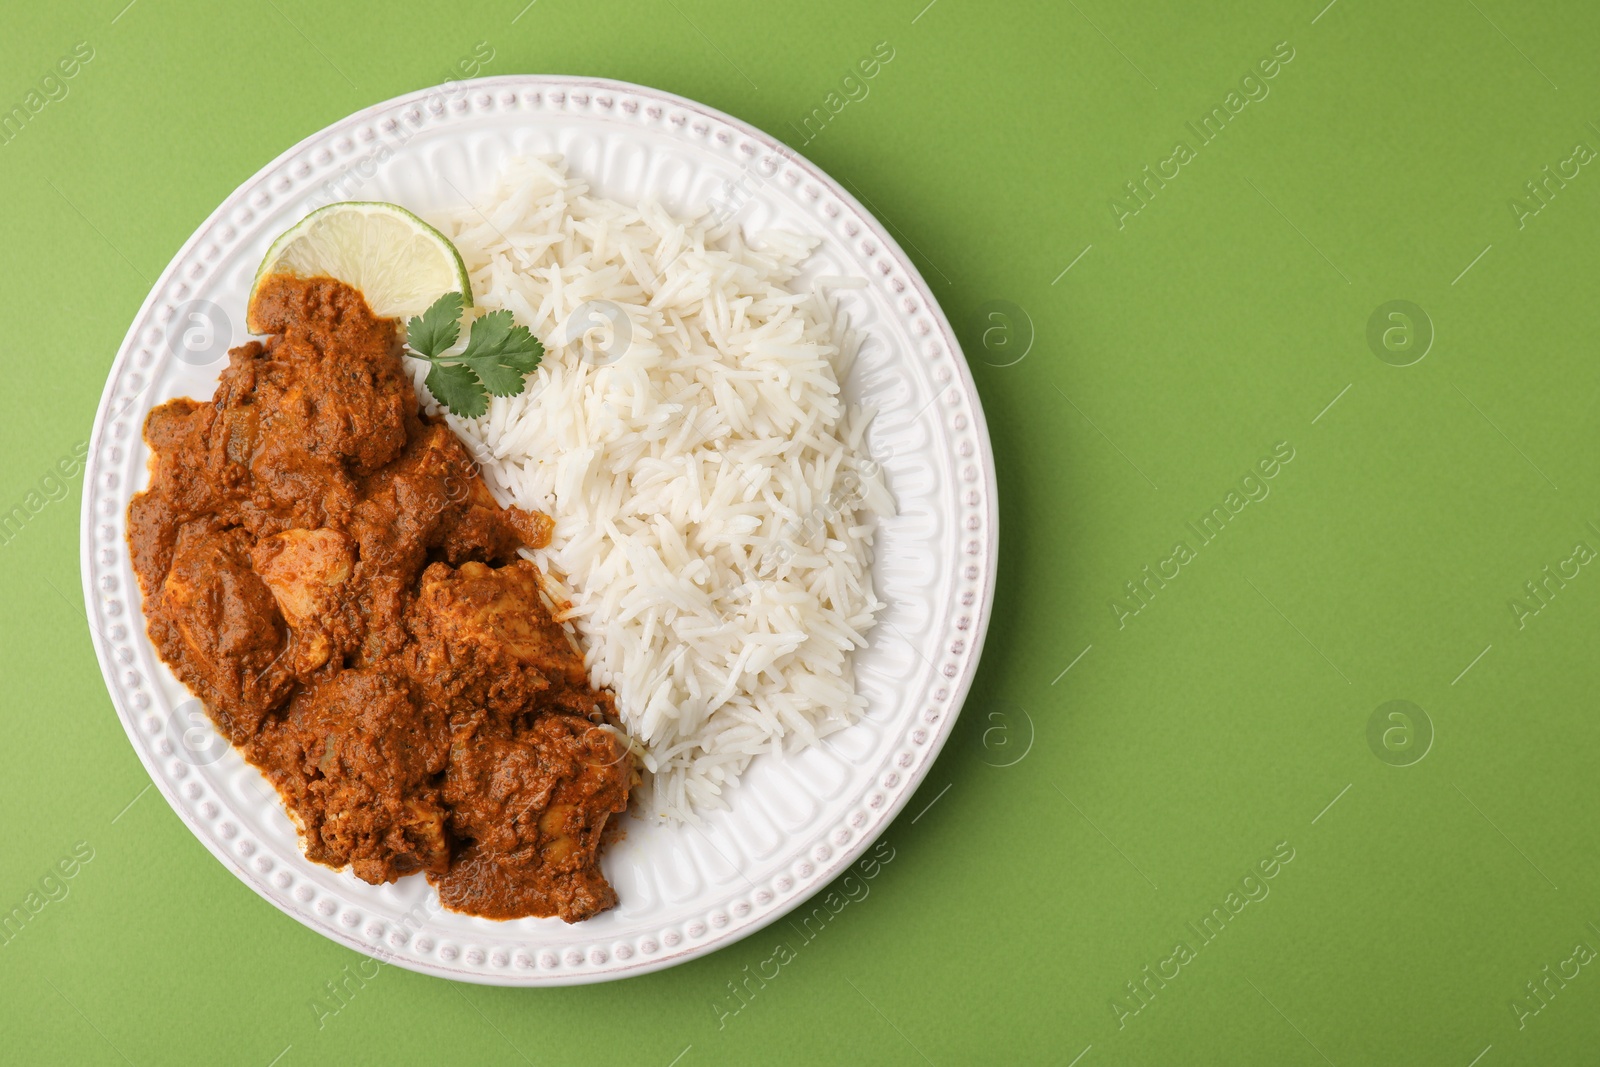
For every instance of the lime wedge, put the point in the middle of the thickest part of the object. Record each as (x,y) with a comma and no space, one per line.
(400,263)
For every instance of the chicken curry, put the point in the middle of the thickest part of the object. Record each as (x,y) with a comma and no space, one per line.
(323,566)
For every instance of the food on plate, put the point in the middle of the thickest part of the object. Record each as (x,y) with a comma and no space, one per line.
(323,566)
(713,495)
(462,603)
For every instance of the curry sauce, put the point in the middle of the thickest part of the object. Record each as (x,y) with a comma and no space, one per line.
(324,567)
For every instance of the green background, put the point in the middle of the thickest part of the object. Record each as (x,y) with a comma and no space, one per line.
(1079,820)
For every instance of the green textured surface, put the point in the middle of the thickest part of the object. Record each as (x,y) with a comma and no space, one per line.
(1184,744)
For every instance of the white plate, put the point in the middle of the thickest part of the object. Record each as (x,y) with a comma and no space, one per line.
(794,824)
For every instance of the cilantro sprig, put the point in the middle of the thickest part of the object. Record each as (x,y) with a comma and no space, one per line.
(497,359)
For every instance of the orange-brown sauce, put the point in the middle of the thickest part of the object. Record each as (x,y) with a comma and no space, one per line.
(324,567)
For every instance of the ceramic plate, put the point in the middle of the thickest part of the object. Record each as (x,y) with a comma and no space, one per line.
(794,823)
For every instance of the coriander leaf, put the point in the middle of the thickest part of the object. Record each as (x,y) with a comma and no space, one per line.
(457,388)
(497,359)
(502,354)
(437,328)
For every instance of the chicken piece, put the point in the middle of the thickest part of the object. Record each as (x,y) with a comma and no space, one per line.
(337,370)
(479,883)
(215,622)
(433,498)
(307,571)
(535,804)
(482,528)
(486,639)
(179,490)
(406,506)
(268,473)
(296,421)
(354,757)
(430,501)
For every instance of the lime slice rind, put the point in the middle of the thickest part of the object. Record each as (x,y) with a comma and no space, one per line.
(400,264)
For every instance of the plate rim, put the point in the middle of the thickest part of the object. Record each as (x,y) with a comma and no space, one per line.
(959,685)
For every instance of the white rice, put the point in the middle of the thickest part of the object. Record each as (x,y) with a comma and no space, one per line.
(714,500)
